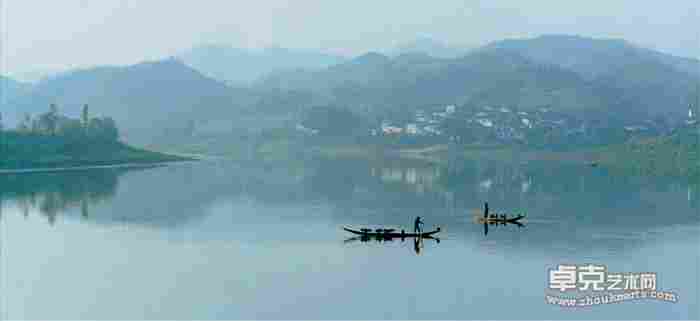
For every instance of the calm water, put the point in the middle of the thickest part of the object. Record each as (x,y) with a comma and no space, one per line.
(216,240)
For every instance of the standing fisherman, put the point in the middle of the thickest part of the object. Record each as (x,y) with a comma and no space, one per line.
(417,225)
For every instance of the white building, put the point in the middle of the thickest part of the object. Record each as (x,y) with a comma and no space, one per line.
(450,109)
(432,130)
(485,122)
(635,128)
(392,130)
(486,184)
(411,129)
(306,130)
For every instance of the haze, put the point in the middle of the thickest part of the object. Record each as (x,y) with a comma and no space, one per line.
(41,35)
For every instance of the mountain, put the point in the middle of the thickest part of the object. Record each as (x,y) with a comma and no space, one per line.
(483,77)
(242,66)
(649,80)
(10,89)
(370,69)
(603,78)
(593,57)
(428,46)
(32,76)
(145,99)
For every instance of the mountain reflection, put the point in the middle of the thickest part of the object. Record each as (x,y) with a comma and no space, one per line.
(381,192)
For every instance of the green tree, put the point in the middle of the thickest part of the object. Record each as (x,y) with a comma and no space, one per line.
(2,137)
(104,129)
(25,125)
(85,117)
(52,119)
(72,129)
(334,121)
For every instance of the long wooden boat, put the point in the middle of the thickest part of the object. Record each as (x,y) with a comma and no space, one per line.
(390,233)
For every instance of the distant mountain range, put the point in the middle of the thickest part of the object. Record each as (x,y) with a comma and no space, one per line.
(31,76)
(593,76)
(416,80)
(636,78)
(242,66)
(563,72)
(428,46)
(593,57)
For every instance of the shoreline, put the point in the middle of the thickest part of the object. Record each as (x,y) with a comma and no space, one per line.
(89,167)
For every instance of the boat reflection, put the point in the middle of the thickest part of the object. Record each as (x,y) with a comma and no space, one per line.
(501,223)
(418,242)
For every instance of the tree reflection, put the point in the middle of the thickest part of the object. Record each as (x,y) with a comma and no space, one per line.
(56,192)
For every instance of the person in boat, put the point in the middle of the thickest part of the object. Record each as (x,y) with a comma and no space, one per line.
(417,225)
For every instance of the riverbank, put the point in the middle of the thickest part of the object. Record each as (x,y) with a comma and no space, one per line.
(52,153)
(663,156)
(77,168)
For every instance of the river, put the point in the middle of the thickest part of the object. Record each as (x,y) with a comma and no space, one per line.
(220,240)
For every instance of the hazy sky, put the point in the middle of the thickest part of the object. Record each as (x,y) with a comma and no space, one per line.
(47,34)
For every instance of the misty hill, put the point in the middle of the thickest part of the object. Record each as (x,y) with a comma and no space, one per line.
(242,66)
(427,46)
(492,77)
(372,68)
(144,99)
(592,57)
(567,73)
(649,80)
(10,89)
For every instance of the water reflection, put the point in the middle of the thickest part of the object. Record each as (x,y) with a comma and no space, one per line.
(265,237)
(54,193)
(502,223)
(384,192)
(418,242)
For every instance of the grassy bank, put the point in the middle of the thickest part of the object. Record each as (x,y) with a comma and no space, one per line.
(24,151)
(666,156)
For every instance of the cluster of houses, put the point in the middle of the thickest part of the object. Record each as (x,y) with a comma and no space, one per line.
(503,122)
(497,123)
(649,125)
(423,124)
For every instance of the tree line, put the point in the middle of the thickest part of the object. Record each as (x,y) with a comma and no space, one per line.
(55,124)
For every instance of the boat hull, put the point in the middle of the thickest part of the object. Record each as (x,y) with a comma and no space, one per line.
(391,234)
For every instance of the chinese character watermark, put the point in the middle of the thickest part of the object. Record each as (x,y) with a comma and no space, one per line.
(596,278)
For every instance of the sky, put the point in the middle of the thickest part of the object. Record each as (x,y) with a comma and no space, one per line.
(54,35)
